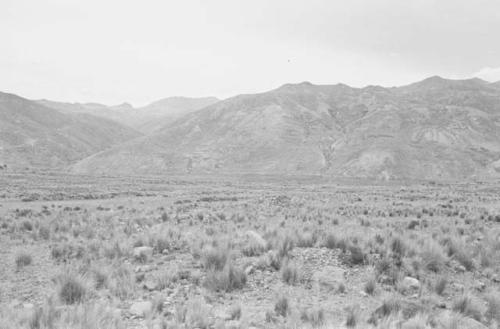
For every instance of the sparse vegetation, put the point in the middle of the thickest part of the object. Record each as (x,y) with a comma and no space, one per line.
(315,316)
(370,286)
(352,317)
(440,285)
(71,288)
(290,274)
(228,279)
(282,306)
(23,259)
(467,306)
(187,262)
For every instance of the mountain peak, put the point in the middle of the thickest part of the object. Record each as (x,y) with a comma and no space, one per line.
(438,82)
(123,107)
(294,87)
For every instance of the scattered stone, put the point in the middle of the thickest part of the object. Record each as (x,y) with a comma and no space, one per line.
(458,286)
(139,277)
(222,314)
(232,324)
(151,285)
(15,303)
(257,239)
(386,280)
(249,269)
(144,268)
(329,276)
(141,309)
(143,253)
(460,322)
(410,283)
(481,286)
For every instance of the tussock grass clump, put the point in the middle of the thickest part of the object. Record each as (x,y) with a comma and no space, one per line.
(100,276)
(116,250)
(385,268)
(278,257)
(388,307)
(121,282)
(315,316)
(197,315)
(306,239)
(284,247)
(433,256)
(398,247)
(82,316)
(165,278)
(282,306)
(160,243)
(341,289)
(23,259)
(255,246)
(235,312)
(370,286)
(44,232)
(290,274)
(467,306)
(420,321)
(27,225)
(228,279)
(356,254)
(71,288)
(440,285)
(493,307)
(457,248)
(215,257)
(332,241)
(352,316)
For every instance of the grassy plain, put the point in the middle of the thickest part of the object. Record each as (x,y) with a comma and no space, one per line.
(243,252)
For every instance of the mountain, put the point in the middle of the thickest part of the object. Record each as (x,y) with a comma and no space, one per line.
(146,119)
(32,134)
(436,128)
(160,113)
(96,109)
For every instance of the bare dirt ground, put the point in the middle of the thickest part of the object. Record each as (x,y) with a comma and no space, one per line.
(261,252)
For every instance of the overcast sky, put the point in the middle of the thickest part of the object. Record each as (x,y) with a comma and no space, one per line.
(112,51)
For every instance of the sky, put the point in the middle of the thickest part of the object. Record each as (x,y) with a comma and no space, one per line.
(115,51)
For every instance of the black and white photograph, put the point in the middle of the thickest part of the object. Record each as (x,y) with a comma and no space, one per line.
(249,164)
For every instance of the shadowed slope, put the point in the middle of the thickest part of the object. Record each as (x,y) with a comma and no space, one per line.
(35,135)
(436,128)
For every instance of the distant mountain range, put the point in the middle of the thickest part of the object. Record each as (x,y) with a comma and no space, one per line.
(432,129)
(33,135)
(146,119)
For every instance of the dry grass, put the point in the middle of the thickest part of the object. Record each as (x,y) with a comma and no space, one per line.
(278,241)
(228,279)
(23,259)
(72,288)
(467,306)
(290,273)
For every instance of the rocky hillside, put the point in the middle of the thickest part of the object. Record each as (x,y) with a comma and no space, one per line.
(147,119)
(436,128)
(32,134)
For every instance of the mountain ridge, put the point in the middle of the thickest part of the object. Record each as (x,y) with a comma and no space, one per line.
(145,119)
(438,128)
(33,135)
